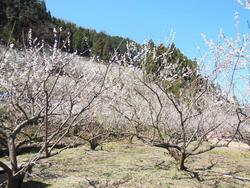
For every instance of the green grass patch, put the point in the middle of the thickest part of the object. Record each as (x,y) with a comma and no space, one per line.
(126,165)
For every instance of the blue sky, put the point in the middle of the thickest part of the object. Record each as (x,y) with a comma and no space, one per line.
(145,19)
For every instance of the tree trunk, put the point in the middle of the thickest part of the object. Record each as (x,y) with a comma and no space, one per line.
(47,154)
(93,144)
(12,153)
(12,181)
(181,163)
(131,139)
(15,181)
(179,158)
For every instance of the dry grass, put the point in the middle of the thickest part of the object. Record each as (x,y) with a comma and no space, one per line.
(125,165)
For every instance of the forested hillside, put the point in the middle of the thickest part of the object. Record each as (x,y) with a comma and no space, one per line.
(18,16)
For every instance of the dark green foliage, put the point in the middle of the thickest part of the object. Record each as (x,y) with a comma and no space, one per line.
(98,46)
(152,65)
(106,49)
(25,14)
(80,42)
(159,56)
(158,64)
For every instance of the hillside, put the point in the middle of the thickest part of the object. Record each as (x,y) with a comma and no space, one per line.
(18,16)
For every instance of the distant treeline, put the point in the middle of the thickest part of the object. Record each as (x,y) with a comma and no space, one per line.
(18,16)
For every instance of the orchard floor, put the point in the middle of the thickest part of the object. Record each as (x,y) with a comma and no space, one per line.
(139,166)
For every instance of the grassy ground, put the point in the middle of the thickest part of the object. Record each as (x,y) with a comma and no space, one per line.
(125,165)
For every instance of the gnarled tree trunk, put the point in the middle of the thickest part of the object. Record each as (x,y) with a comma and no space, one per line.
(181,163)
(179,159)
(13,181)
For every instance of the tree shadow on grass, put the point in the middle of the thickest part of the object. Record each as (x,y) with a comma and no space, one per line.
(196,173)
(206,174)
(206,168)
(34,184)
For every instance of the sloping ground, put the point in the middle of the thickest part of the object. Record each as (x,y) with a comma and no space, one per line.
(123,165)
(137,165)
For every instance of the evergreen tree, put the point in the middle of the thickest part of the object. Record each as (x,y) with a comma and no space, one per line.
(106,50)
(85,47)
